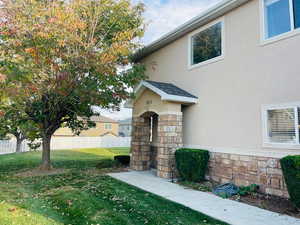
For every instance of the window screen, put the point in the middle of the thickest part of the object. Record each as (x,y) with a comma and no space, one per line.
(281,125)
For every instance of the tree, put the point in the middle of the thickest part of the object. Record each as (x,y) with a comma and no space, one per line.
(59,58)
(15,122)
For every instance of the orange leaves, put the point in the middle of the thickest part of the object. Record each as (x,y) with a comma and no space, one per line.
(31,51)
(33,88)
(52,20)
(43,35)
(34,53)
(125,36)
(53,46)
(61,43)
(80,25)
(2,77)
(107,58)
(17,43)
(12,209)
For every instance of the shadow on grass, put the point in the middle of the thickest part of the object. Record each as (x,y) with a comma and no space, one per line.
(69,159)
(78,198)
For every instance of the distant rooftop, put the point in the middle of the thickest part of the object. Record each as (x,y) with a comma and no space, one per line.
(103,119)
(126,121)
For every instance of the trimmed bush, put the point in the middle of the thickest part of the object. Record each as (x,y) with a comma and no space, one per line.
(192,164)
(123,159)
(291,170)
(106,163)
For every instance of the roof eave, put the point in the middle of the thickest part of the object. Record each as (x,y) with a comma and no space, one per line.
(212,13)
(164,96)
(181,99)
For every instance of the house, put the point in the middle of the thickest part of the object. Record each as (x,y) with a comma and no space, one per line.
(104,127)
(226,81)
(125,127)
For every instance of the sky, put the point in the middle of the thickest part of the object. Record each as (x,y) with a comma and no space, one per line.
(161,17)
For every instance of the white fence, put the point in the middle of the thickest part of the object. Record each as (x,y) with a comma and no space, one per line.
(71,143)
(9,146)
(89,142)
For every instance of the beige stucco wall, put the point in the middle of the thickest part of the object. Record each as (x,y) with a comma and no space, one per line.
(97,131)
(232,91)
(149,101)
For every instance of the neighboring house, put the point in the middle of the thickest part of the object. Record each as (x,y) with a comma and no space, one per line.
(226,81)
(125,127)
(104,127)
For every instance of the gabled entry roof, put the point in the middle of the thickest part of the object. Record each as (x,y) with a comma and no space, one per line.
(167,91)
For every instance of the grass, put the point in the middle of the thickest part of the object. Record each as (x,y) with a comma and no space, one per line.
(82,195)
(71,159)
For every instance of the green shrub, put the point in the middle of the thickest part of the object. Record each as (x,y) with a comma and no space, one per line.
(107,163)
(247,190)
(291,170)
(192,164)
(123,159)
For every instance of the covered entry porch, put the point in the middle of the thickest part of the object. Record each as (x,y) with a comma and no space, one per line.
(157,126)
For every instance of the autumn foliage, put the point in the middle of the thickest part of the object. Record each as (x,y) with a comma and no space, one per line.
(59,58)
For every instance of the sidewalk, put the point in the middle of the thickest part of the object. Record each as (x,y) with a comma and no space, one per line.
(229,211)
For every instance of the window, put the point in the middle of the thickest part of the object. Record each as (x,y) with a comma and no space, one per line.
(107,126)
(282,125)
(206,44)
(281,16)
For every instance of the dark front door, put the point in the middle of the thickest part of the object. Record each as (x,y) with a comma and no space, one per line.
(153,157)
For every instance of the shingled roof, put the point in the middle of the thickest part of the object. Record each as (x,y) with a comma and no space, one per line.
(103,119)
(167,91)
(170,89)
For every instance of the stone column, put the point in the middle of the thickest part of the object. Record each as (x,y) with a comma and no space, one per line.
(140,144)
(169,140)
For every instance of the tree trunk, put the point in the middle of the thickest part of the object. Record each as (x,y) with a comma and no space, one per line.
(46,162)
(19,145)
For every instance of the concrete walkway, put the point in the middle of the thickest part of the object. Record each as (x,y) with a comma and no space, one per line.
(229,211)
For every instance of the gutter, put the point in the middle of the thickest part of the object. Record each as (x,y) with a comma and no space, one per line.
(207,16)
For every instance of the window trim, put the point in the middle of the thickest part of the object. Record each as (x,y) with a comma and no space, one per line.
(266,142)
(190,46)
(110,126)
(263,39)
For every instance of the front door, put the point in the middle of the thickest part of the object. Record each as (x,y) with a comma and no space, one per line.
(153,157)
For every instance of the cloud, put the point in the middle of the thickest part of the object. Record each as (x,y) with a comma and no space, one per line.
(162,16)
(124,113)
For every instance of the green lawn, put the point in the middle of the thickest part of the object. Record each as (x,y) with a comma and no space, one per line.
(82,195)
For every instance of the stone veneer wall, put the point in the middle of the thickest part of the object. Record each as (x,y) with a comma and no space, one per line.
(169,139)
(246,170)
(140,145)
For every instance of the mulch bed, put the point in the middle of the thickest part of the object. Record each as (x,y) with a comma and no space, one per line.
(264,201)
(271,203)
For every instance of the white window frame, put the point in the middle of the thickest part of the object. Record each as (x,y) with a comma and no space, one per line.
(263,22)
(107,124)
(266,141)
(190,44)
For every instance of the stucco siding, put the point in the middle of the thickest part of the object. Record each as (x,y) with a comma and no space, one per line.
(232,91)
(100,130)
(151,102)
(97,131)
